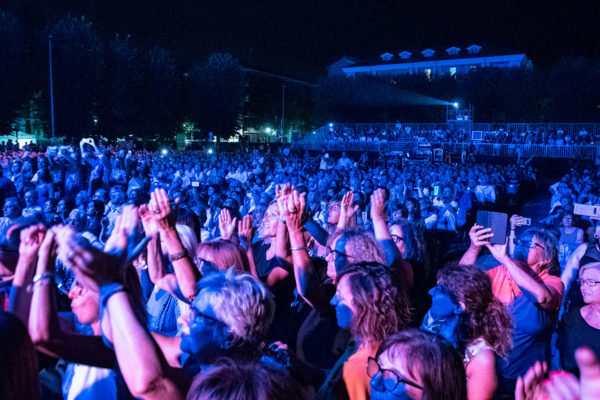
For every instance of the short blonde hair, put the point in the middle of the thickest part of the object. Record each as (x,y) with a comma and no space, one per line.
(240,301)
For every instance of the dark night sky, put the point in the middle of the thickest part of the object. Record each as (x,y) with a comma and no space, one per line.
(301,37)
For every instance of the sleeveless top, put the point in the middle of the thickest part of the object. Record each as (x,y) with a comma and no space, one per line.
(474,348)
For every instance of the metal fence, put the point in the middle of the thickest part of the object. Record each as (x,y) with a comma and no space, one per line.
(570,128)
(456,149)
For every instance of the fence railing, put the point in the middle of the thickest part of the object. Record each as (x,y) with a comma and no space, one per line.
(456,149)
(570,128)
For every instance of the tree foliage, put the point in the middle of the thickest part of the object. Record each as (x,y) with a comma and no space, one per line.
(13,70)
(77,62)
(122,80)
(217,89)
(159,101)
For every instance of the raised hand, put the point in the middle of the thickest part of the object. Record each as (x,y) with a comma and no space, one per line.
(347,208)
(226,224)
(31,240)
(378,205)
(531,386)
(479,236)
(498,251)
(162,213)
(246,230)
(516,220)
(92,267)
(148,223)
(296,205)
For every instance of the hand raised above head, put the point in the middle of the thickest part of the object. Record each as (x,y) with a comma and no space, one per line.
(479,236)
(378,204)
(227,226)
(296,218)
(163,214)
(246,230)
(31,240)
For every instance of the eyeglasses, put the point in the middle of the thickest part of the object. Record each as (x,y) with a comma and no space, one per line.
(588,282)
(528,243)
(397,239)
(334,253)
(199,314)
(390,378)
(445,291)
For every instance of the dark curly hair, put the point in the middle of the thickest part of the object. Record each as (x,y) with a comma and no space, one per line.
(485,316)
(382,307)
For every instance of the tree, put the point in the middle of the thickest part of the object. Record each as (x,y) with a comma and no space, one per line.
(574,90)
(218,91)
(159,106)
(77,62)
(122,84)
(13,70)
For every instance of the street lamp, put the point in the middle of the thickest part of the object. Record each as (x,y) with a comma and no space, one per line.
(51,85)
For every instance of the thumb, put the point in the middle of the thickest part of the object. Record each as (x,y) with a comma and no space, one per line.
(588,363)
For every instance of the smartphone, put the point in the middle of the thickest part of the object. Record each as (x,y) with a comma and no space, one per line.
(195,184)
(587,210)
(495,220)
(526,221)
(436,190)
(51,151)
(364,216)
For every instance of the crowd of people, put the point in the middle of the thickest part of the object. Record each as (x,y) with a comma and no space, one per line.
(347,134)
(256,275)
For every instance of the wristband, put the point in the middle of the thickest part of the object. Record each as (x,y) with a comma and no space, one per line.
(298,248)
(106,291)
(46,278)
(178,256)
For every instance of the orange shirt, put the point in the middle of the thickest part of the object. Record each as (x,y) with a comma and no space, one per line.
(505,289)
(355,373)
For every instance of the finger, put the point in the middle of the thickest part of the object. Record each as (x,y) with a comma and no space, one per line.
(519,390)
(483,237)
(588,363)
(302,203)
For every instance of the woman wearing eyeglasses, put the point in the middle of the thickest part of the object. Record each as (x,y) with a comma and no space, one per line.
(414,364)
(465,312)
(528,285)
(581,326)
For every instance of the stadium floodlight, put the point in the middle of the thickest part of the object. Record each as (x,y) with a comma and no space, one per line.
(455,105)
(268,130)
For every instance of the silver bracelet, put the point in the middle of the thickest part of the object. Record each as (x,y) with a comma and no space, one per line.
(298,248)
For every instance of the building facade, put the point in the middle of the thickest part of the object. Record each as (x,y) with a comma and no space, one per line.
(432,63)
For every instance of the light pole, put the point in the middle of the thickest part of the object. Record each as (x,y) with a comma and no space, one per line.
(282,111)
(51,86)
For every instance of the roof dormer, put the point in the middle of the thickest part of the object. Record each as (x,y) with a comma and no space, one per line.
(452,51)
(405,55)
(386,56)
(473,49)
(428,53)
